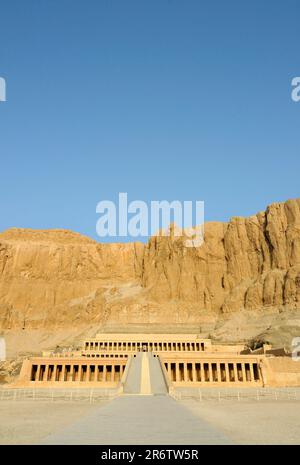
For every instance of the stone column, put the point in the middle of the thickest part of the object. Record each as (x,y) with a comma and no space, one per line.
(56,372)
(72,371)
(194,374)
(202,372)
(185,376)
(210,373)
(38,371)
(227,374)
(219,372)
(236,378)
(251,372)
(244,372)
(113,373)
(177,371)
(104,373)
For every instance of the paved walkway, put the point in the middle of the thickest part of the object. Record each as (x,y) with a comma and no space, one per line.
(143,420)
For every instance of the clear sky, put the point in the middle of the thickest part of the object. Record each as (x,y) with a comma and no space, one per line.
(163,99)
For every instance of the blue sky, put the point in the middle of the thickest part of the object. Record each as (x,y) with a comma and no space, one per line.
(187,100)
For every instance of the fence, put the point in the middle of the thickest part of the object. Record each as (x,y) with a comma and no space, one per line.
(265,394)
(52,395)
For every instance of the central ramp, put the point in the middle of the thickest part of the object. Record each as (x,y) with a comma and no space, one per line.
(157,380)
(145,376)
(133,381)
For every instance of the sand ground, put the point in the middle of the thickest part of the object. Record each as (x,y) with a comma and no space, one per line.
(251,422)
(246,422)
(26,422)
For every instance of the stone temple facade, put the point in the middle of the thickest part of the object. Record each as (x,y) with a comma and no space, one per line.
(184,359)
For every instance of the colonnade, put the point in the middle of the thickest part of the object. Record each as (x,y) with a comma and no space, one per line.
(212,372)
(104,355)
(80,372)
(155,346)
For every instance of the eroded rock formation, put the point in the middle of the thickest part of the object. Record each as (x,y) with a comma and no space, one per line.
(59,278)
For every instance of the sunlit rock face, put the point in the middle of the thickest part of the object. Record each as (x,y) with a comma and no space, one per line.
(58,279)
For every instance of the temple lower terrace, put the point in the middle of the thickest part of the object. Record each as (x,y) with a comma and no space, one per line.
(139,363)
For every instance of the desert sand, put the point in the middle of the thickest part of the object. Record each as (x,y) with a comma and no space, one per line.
(230,422)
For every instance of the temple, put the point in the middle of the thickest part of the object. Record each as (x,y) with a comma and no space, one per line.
(184,360)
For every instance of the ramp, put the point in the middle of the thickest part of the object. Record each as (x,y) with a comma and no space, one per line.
(145,376)
(157,380)
(133,381)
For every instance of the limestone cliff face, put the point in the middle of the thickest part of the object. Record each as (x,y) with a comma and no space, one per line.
(248,263)
(59,278)
(50,276)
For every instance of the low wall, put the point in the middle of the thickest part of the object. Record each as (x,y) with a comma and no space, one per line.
(281,371)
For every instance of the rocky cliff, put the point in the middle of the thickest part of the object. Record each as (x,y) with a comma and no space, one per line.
(60,279)
(248,263)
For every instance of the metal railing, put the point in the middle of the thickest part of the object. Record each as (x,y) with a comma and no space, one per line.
(263,394)
(52,395)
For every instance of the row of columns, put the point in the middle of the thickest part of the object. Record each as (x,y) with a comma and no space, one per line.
(148,346)
(213,372)
(77,372)
(104,355)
